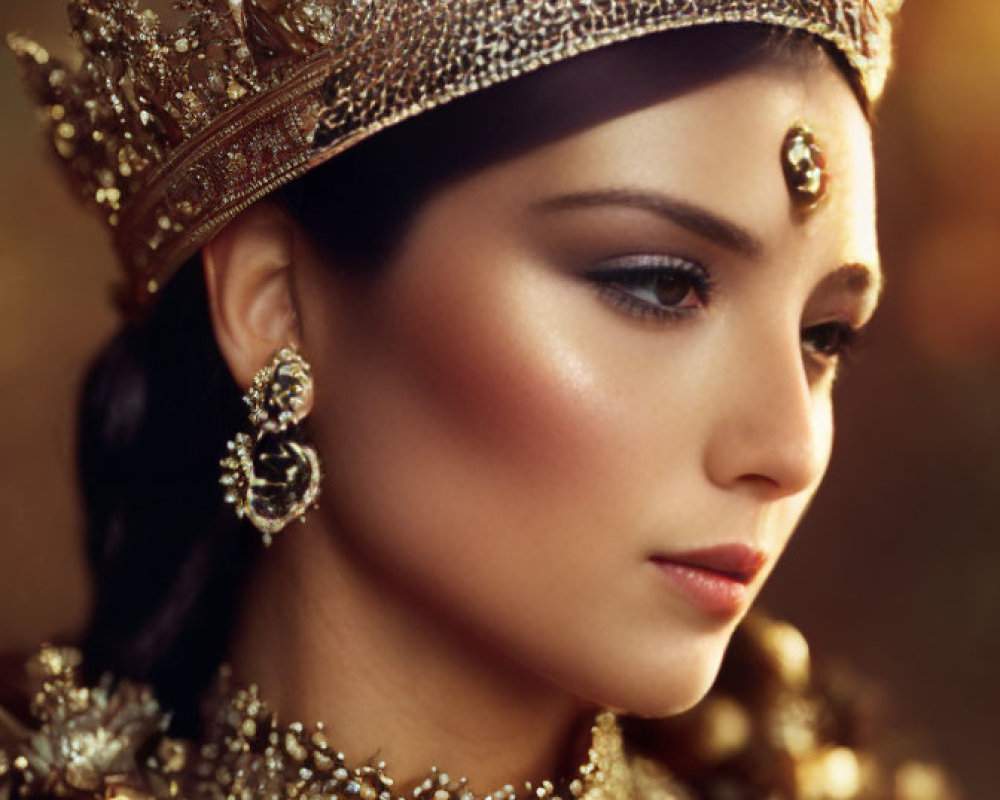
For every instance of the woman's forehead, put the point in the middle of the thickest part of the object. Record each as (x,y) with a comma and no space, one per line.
(723,146)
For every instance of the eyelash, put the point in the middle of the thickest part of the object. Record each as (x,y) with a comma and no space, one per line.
(846,340)
(619,283)
(826,342)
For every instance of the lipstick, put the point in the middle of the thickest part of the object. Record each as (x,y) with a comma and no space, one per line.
(716,580)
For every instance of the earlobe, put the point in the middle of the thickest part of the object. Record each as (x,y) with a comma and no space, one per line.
(247,275)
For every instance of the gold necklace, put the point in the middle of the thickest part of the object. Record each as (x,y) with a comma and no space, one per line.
(110,741)
(250,754)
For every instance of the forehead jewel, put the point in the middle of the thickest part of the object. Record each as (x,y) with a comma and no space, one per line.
(804,165)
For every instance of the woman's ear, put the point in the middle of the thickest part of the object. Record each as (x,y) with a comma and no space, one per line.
(248,277)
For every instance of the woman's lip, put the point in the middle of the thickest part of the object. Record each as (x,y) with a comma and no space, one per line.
(738,562)
(716,579)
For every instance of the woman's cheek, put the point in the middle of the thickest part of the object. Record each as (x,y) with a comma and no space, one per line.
(476,427)
(498,365)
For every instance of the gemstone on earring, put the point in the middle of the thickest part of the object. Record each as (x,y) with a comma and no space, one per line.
(268,475)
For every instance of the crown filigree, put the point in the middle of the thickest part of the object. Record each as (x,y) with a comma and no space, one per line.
(172,132)
(167,130)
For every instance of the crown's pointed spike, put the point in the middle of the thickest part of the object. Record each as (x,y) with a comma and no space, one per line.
(46,78)
(238,12)
(25,48)
(270,42)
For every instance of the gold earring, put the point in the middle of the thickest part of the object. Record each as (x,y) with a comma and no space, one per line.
(269,476)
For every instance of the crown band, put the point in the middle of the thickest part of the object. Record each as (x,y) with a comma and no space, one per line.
(172,134)
(243,156)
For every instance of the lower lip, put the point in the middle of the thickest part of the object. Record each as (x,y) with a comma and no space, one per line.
(712,592)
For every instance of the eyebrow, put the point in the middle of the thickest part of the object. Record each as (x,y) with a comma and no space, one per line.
(857,278)
(694,218)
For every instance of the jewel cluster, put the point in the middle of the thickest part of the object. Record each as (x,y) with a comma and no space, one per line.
(105,741)
(269,476)
(251,755)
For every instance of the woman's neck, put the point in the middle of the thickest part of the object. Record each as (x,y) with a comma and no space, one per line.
(325,642)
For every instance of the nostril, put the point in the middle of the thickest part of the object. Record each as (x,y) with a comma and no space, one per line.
(762,487)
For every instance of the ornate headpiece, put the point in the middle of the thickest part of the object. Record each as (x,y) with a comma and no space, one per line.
(172,133)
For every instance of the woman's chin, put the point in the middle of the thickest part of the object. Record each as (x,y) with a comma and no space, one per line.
(653,686)
(676,703)
(675,695)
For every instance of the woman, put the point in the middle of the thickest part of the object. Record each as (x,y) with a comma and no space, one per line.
(557,294)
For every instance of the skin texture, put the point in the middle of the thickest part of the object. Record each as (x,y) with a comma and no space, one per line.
(507,444)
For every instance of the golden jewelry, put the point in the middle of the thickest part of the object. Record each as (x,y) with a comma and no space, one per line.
(769,736)
(302,762)
(270,476)
(805,168)
(109,741)
(172,133)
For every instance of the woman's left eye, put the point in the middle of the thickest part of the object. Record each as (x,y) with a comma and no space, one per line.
(654,286)
(830,340)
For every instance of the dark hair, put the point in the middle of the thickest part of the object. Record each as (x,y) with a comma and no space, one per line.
(168,556)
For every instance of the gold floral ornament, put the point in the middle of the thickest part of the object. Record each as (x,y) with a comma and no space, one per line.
(805,168)
(172,133)
(92,742)
(270,476)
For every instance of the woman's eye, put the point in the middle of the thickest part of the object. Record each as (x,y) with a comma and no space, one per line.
(830,340)
(654,286)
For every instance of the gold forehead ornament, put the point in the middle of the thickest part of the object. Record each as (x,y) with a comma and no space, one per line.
(805,168)
(171,132)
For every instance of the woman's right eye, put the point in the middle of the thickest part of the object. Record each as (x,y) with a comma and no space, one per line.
(654,287)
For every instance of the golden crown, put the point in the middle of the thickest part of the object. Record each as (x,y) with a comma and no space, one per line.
(171,133)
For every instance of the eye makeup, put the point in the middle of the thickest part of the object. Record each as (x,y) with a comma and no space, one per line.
(654,287)
(826,345)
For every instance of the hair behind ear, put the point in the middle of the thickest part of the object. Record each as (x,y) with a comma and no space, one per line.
(168,556)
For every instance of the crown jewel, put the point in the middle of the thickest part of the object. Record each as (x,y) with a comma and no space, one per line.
(172,132)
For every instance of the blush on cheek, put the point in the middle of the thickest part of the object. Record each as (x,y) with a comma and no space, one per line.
(493,365)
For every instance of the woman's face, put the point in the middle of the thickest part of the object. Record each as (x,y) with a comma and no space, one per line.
(580,413)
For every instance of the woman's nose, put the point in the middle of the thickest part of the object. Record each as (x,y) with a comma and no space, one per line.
(772,430)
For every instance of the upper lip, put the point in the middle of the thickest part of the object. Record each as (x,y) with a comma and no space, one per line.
(737,561)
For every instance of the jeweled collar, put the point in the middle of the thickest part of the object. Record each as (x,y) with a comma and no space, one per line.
(110,741)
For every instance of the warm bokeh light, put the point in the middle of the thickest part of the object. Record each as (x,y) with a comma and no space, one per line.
(833,775)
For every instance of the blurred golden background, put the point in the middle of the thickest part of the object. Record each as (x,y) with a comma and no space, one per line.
(897,567)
